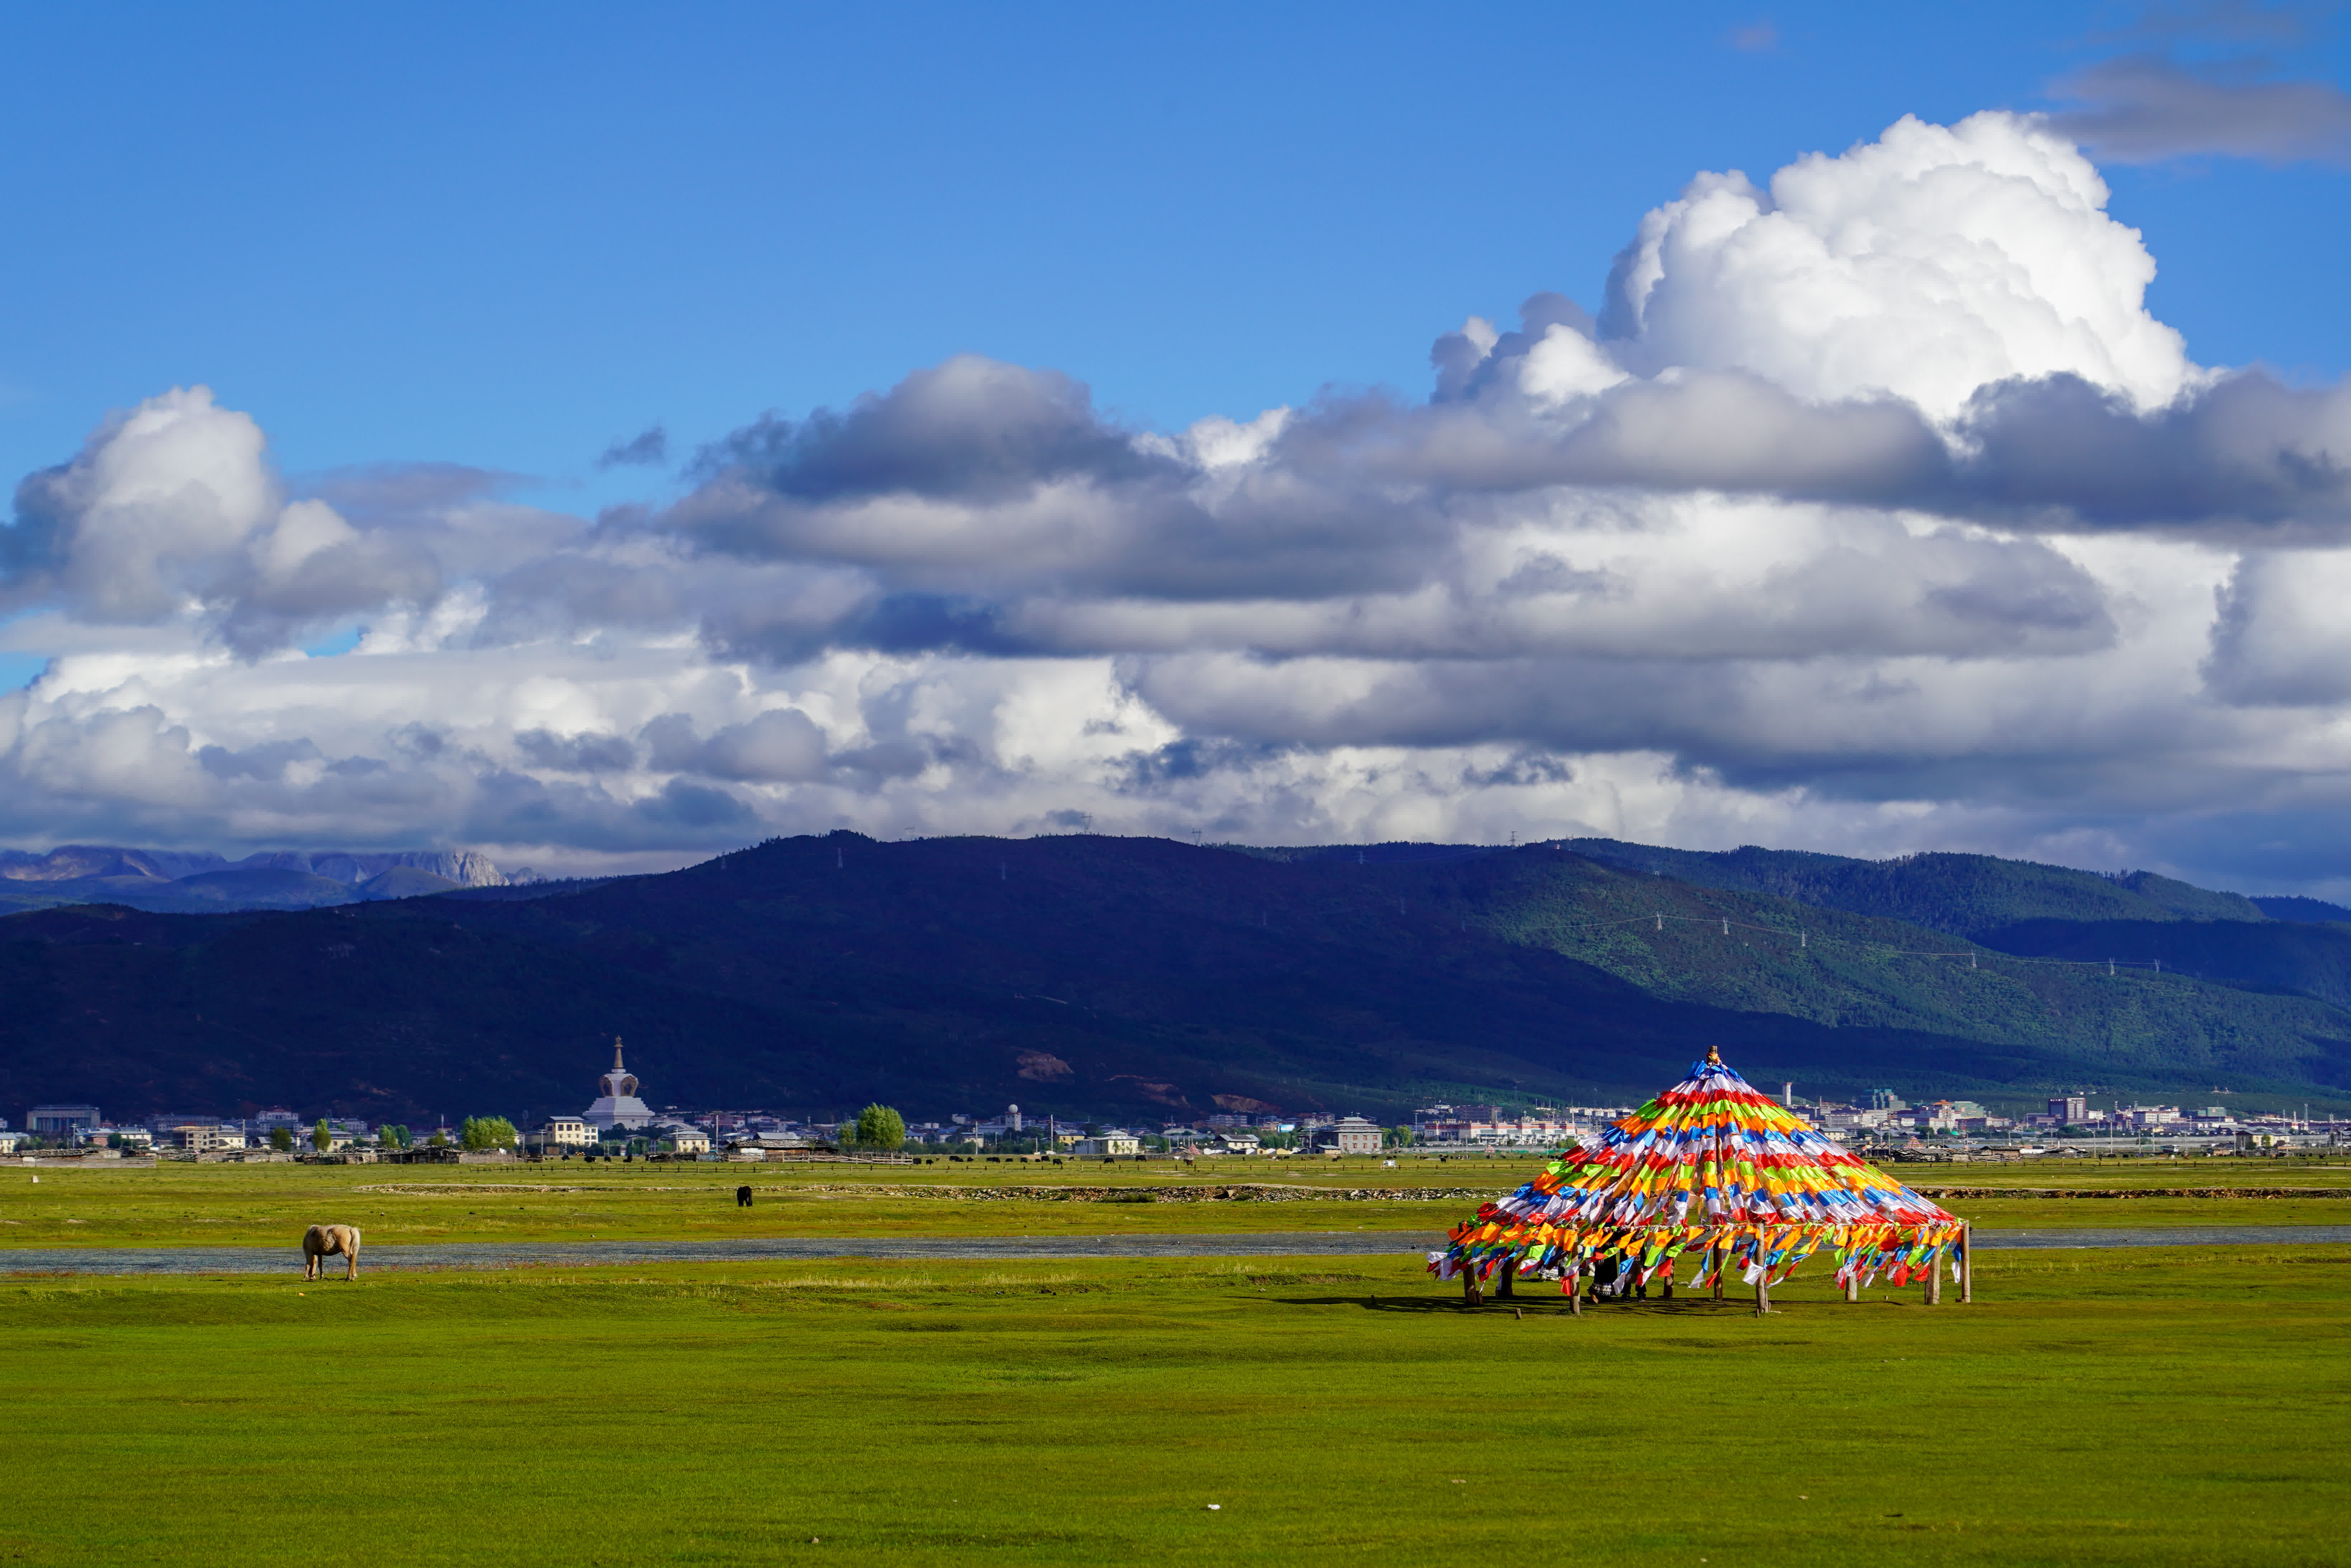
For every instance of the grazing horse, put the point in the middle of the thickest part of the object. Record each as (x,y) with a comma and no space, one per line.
(323,1241)
(742,1197)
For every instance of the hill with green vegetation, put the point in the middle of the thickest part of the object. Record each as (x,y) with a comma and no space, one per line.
(2296,958)
(1132,979)
(2070,922)
(1962,895)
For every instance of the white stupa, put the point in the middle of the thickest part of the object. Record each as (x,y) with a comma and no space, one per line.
(617,1105)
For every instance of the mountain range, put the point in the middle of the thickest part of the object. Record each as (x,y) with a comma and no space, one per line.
(1139,978)
(178,882)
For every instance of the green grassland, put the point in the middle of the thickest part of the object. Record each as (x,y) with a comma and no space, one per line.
(177,1204)
(2162,1406)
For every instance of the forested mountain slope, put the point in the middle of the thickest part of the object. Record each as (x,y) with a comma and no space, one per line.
(1962,895)
(1083,975)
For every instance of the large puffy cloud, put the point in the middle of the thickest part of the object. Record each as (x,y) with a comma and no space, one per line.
(171,506)
(1932,262)
(1873,511)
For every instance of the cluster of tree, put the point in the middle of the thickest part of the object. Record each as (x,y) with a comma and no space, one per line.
(322,1137)
(878,1128)
(479,1135)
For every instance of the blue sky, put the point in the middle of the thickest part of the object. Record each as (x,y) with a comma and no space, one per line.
(412,411)
(508,236)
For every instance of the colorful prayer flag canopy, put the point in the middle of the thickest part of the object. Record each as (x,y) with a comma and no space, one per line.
(1713,1167)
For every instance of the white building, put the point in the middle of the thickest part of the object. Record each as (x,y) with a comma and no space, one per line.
(563,1132)
(1352,1135)
(206,1137)
(1108,1144)
(617,1105)
(689,1140)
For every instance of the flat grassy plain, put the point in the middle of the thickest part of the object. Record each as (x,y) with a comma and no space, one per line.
(2155,1406)
(178,1204)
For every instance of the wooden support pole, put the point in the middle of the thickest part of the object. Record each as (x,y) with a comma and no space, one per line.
(1715,1259)
(1967,1264)
(1853,1286)
(1575,1292)
(1934,1285)
(1762,1293)
(1505,1281)
(1469,1296)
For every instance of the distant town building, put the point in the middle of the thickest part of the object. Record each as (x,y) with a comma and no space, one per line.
(780,1142)
(617,1103)
(162,1122)
(2071,1111)
(561,1132)
(689,1140)
(62,1121)
(206,1137)
(1107,1144)
(1351,1135)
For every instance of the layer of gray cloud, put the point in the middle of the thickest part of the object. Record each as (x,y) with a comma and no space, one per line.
(648,448)
(2152,108)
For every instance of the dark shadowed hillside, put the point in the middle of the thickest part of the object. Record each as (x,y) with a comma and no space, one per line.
(2290,907)
(1126,976)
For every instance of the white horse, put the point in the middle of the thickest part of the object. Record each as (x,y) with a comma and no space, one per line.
(323,1241)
